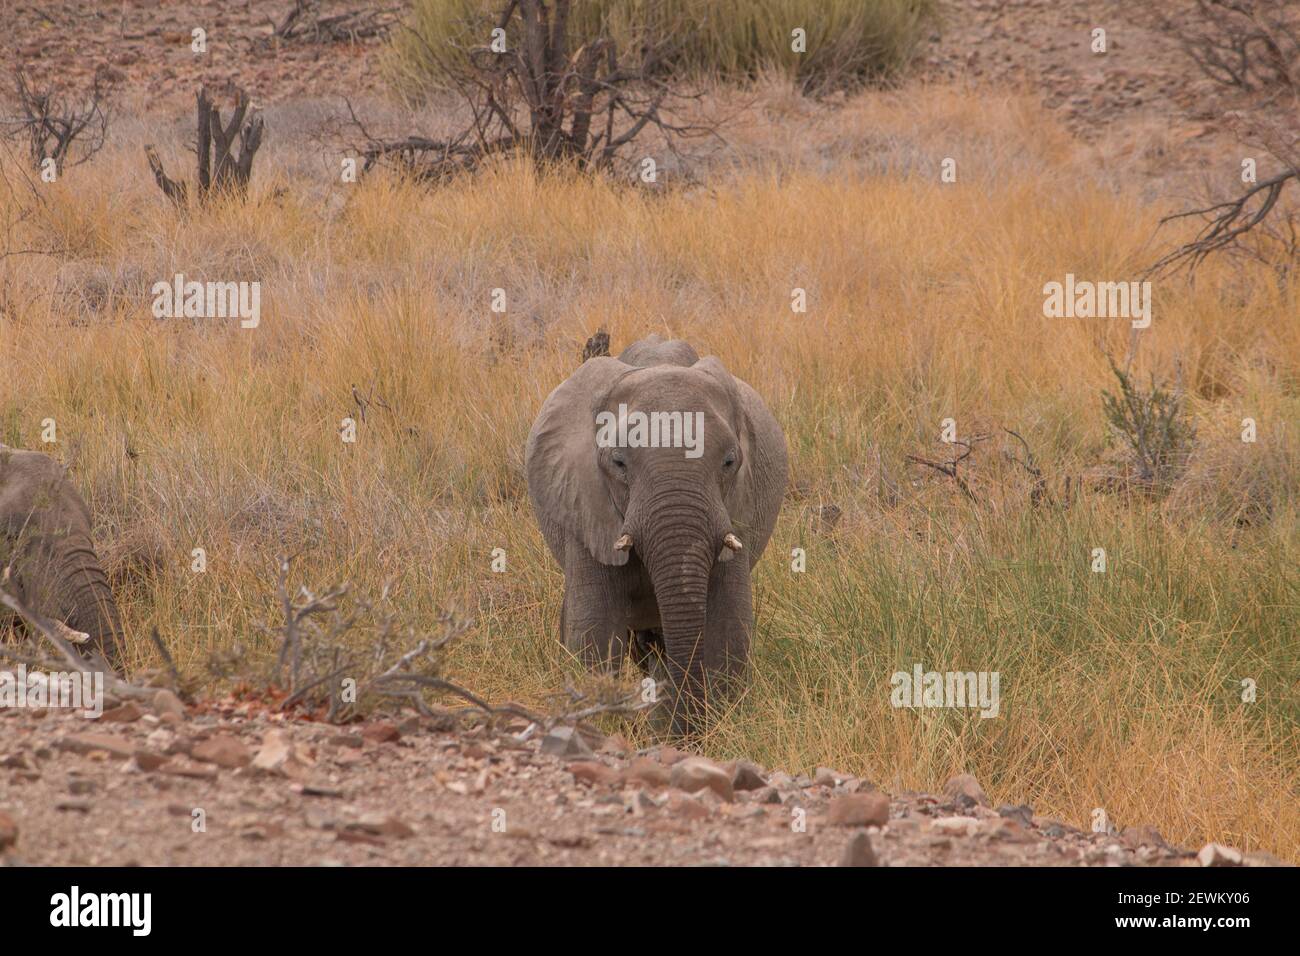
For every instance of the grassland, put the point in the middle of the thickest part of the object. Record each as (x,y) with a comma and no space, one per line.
(1120,690)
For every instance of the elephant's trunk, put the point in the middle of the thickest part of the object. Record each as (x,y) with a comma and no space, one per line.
(86,600)
(677,538)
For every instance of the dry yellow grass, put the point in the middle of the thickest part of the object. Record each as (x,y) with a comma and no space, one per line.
(1119,691)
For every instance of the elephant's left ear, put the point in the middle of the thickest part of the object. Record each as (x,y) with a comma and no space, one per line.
(756,495)
(564,481)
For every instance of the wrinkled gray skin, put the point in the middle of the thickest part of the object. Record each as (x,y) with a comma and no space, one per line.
(45,539)
(678,602)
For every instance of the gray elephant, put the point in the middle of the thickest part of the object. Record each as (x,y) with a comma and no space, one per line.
(46,549)
(657,537)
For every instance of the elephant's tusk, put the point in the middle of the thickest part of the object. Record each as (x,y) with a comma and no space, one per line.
(70,635)
(624,543)
(732,542)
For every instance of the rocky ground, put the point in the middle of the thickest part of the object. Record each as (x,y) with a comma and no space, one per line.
(230,785)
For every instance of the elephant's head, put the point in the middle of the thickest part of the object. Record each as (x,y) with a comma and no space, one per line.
(711,496)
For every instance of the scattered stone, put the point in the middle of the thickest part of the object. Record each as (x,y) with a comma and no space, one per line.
(671,755)
(780,780)
(1146,835)
(615,745)
(478,751)
(647,772)
(81,788)
(687,808)
(351,741)
(698,773)
(826,777)
(565,742)
(382,825)
(315,790)
(75,806)
(596,774)
(767,795)
(747,776)
(1215,854)
(1264,858)
(165,703)
(1022,814)
(281,756)
(956,826)
(148,761)
(858,810)
(127,713)
(90,743)
(18,761)
(858,851)
(191,769)
(223,750)
(8,831)
(965,791)
(381,732)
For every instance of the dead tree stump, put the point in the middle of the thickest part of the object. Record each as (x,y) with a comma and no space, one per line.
(221,169)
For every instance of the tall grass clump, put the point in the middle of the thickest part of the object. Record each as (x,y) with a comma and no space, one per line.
(846,42)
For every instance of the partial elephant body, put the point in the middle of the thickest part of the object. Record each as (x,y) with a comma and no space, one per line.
(46,545)
(657,538)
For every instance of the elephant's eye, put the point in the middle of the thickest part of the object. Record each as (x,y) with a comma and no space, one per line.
(618,460)
(730,460)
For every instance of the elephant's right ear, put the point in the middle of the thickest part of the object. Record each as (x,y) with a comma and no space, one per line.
(564,477)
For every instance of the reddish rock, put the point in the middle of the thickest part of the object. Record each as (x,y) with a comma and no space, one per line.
(149,761)
(127,713)
(165,703)
(687,808)
(8,831)
(697,773)
(858,851)
(224,751)
(191,769)
(596,774)
(859,810)
(671,755)
(381,732)
(1215,854)
(647,772)
(89,743)
(747,776)
(1146,835)
(964,790)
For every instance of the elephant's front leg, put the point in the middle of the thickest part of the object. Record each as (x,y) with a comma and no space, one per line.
(594,618)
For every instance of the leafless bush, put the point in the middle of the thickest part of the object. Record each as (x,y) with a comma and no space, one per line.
(1253,45)
(52,123)
(340,656)
(221,168)
(537,91)
(1250,46)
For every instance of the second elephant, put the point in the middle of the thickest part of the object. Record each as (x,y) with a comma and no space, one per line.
(46,546)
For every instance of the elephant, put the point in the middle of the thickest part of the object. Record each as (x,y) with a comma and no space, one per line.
(657,543)
(47,558)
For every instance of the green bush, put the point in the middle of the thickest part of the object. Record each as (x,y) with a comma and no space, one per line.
(848,42)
